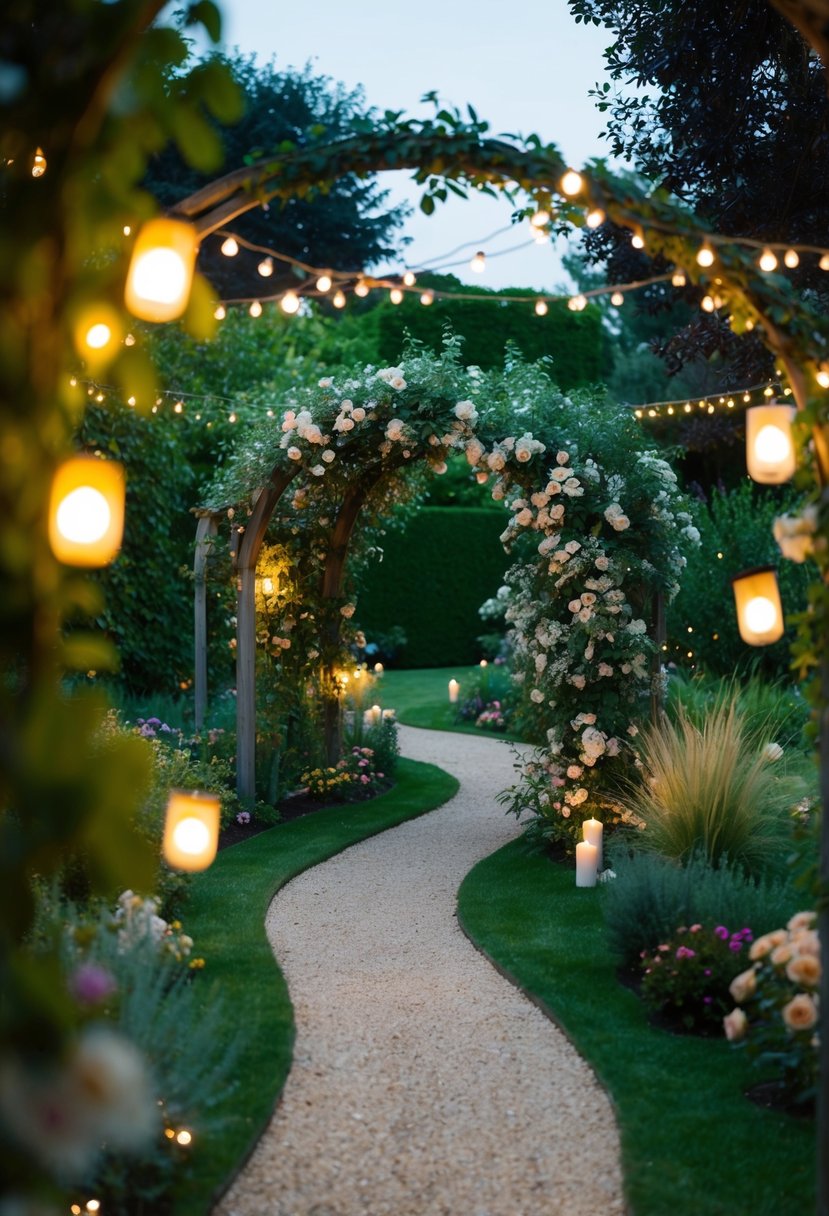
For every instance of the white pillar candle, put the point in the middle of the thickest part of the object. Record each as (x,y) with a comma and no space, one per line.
(454,689)
(592,830)
(376,714)
(586,856)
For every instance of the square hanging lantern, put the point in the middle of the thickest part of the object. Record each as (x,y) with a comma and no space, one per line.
(86,511)
(770,454)
(191,829)
(161,271)
(759,610)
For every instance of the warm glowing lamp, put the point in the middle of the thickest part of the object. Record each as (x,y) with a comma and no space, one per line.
(396,295)
(759,611)
(541,308)
(572,183)
(161,270)
(478,263)
(86,511)
(454,689)
(98,331)
(770,456)
(191,829)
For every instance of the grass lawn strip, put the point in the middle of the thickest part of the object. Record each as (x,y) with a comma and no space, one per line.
(225,915)
(420,697)
(692,1144)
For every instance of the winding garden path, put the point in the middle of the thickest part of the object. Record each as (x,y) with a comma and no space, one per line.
(423,1083)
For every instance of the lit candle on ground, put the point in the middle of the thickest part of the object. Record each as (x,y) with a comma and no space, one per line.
(378,669)
(454,689)
(586,857)
(592,831)
(376,714)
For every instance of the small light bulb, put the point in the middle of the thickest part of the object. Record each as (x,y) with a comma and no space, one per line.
(824,262)
(127,230)
(129,340)
(617,299)
(767,261)
(339,299)
(540,218)
(572,183)
(409,278)
(130,400)
(595,218)
(478,263)
(98,336)
(705,256)
(822,376)
(577,303)
(791,258)
(678,278)
(38,163)
(231,418)
(707,304)
(427,298)
(265,268)
(361,289)
(289,302)
(637,241)
(230,247)
(324,283)
(670,409)
(687,407)
(396,295)
(639,413)
(541,308)
(255,309)
(651,413)
(178,407)
(220,312)
(183,1137)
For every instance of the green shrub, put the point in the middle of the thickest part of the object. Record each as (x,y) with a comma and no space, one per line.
(651,896)
(773,709)
(736,534)
(431,581)
(686,978)
(716,788)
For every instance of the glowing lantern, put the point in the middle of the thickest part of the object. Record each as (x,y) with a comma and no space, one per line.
(38,163)
(770,454)
(759,611)
(98,331)
(86,511)
(191,830)
(161,270)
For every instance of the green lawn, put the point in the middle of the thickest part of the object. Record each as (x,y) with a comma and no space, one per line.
(420,696)
(692,1144)
(225,914)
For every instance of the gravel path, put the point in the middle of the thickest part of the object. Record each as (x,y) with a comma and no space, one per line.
(423,1083)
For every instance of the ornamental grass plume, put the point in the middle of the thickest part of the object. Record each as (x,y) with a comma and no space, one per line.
(711,787)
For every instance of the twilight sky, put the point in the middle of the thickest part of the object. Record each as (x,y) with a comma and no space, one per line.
(526,69)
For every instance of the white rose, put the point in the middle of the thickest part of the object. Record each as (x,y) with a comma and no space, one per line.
(465,410)
(562,457)
(536,696)
(294,454)
(329,455)
(358,414)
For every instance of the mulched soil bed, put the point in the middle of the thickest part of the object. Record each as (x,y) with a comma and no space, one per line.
(289,809)
(771,1095)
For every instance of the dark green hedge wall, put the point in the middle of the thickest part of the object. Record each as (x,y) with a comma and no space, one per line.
(573,340)
(432,581)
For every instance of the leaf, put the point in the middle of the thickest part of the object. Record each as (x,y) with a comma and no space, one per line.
(427,204)
(206,13)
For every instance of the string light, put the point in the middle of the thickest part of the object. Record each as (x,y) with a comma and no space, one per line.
(339,299)
(230,247)
(220,312)
(289,303)
(617,299)
(540,218)
(255,309)
(409,278)
(129,340)
(127,230)
(637,241)
(678,278)
(361,289)
(427,298)
(822,376)
(705,256)
(572,183)
(577,303)
(767,261)
(824,262)
(265,268)
(38,163)
(791,258)
(478,263)
(541,308)
(396,295)
(324,283)
(707,304)
(595,218)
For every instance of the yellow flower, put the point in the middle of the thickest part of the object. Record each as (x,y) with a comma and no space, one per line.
(759,949)
(780,955)
(804,969)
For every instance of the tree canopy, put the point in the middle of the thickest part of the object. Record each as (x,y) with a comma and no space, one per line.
(346,226)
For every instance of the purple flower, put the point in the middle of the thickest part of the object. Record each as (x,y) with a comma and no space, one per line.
(722,933)
(153,721)
(165,729)
(735,945)
(685,952)
(147,731)
(706,1000)
(243,817)
(90,984)
(707,971)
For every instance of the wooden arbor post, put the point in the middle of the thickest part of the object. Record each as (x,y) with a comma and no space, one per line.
(247,541)
(205,539)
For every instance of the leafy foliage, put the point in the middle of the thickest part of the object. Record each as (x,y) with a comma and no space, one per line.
(686,978)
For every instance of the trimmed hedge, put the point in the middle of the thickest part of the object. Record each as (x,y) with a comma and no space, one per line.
(574,340)
(433,579)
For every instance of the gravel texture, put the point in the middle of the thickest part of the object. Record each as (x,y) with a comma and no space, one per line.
(423,1083)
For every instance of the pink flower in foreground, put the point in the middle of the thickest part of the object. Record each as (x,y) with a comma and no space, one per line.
(90,984)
